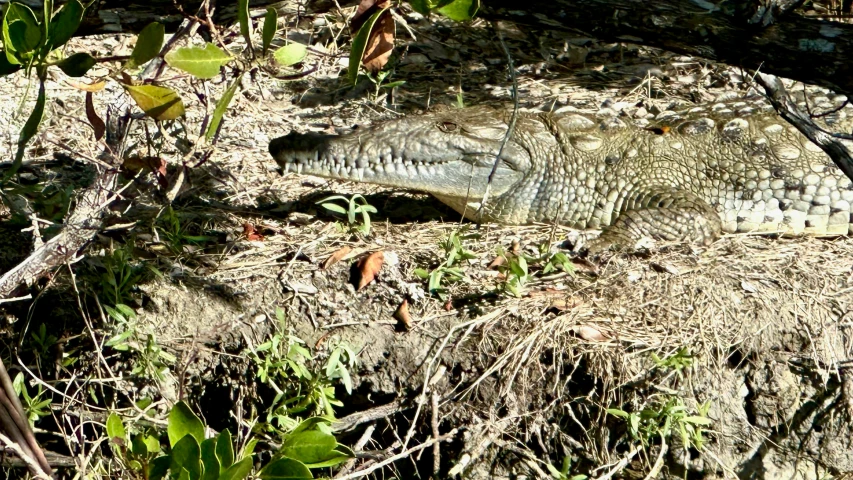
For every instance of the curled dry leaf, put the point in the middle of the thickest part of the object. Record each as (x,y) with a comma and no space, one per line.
(497,262)
(87,87)
(368,268)
(98,125)
(591,333)
(156,164)
(251,233)
(402,315)
(336,257)
(381,40)
(515,248)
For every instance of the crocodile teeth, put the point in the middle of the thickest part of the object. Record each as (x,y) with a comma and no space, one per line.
(360,174)
(299,168)
(286,168)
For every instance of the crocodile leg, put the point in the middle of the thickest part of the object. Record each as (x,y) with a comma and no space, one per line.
(662,214)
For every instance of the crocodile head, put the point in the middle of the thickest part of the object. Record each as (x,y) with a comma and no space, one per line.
(448,154)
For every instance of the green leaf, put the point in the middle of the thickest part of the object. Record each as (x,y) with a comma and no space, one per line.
(270,26)
(182,422)
(460,10)
(159,467)
(238,471)
(224,449)
(65,23)
(160,103)
(115,428)
(290,54)
(148,44)
(221,108)
(22,33)
(696,420)
(138,446)
(285,469)
(335,208)
(421,6)
(309,446)
(243,19)
(77,65)
(198,62)
(359,44)
(311,423)
(152,444)
(28,131)
(208,460)
(186,455)
(335,459)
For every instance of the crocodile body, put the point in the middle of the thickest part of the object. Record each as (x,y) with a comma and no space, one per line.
(725,167)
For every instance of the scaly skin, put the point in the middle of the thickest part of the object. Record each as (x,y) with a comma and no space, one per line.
(685,177)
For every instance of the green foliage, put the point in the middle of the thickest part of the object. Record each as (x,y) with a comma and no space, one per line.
(664,416)
(149,360)
(178,235)
(459,10)
(357,212)
(191,456)
(35,406)
(452,269)
(563,473)
(270,26)
(221,107)
(116,275)
(303,387)
(199,62)
(678,361)
(149,42)
(519,269)
(290,54)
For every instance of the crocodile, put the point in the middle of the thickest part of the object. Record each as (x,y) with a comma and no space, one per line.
(684,176)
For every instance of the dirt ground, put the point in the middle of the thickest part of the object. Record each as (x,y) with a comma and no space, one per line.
(761,323)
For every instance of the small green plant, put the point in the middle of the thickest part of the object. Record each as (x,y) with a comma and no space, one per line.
(35,406)
(678,361)
(150,360)
(190,456)
(285,363)
(563,473)
(357,212)
(118,273)
(519,269)
(452,269)
(516,273)
(378,79)
(661,418)
(177,235)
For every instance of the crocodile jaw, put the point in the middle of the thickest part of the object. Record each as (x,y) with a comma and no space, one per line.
(442,156)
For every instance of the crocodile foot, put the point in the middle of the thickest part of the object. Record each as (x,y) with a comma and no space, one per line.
(669,215)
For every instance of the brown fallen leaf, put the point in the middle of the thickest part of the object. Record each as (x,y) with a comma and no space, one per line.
(497,262)
(251,233)
(402,314)
(368,268)
(336,257)
(515,248)
(87,87)
(566,303)
(591,333)
(380,43)
(98,125)
(156,164)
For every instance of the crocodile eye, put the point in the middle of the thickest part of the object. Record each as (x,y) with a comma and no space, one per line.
(447,126)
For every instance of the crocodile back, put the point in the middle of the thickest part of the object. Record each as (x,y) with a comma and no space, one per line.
(754,169)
